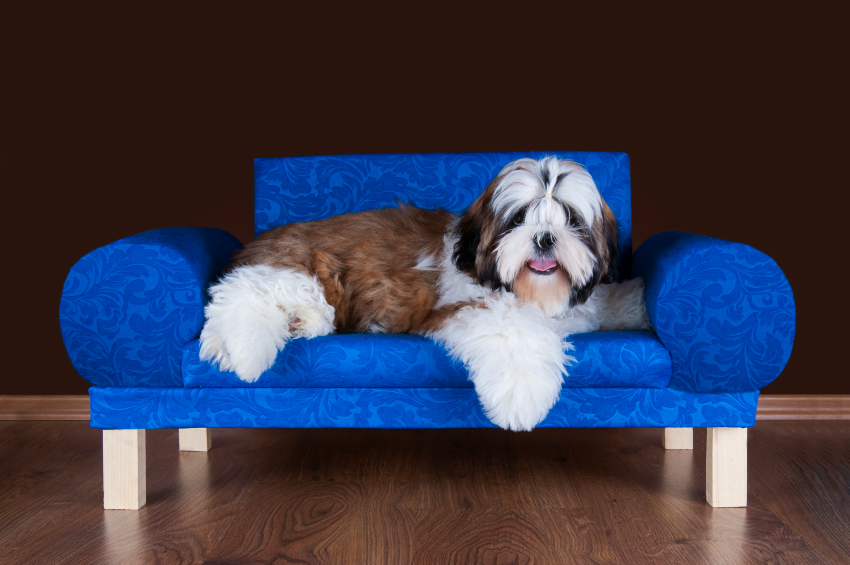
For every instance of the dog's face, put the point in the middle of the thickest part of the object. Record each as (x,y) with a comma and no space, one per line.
(542,230)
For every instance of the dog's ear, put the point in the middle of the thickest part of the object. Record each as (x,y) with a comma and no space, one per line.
(605,235)
(475,249)
(603,238)
(469,238)
(580,294)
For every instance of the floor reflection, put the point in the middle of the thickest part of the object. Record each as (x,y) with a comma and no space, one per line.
(122,534)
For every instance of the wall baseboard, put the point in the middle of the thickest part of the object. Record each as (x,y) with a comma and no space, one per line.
(44,407)
(771,407)
(803,407)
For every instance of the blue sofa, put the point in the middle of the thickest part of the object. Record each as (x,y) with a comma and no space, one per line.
(131,312)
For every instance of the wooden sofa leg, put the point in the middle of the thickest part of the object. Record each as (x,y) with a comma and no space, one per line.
(726,467)
(195,439)
(677,438)
(124,470)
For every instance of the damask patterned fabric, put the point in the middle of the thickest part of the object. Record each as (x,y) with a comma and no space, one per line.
(131,313)
(724,310)
(129,308)
(615,359)
(298,189)
(151,408)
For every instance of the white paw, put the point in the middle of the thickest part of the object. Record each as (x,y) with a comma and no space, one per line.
(254,311)
(248,349)
(213,350)
(515,356)
(518,400)
(310,321)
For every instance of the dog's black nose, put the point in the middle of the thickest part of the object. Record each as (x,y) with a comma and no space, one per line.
(545,241)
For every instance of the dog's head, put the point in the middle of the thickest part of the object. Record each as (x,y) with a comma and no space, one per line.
(542,230)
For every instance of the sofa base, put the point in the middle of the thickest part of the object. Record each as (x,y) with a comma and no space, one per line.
(406,408)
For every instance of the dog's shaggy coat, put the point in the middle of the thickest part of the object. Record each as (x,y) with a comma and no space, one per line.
(530,262)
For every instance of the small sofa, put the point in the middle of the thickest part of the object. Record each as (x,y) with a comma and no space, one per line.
(131,312)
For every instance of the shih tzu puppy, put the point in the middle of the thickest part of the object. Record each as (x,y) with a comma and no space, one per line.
(531,261)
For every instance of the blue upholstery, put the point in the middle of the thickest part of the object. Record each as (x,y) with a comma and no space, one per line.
(297,189)
(605,359)
(724,310)
(129,308)
(131,313)
(131,408)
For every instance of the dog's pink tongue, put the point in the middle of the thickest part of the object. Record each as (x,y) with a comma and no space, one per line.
(542,264)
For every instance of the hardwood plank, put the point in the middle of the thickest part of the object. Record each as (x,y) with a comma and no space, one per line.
(804,478)
(435,496)
(562,536)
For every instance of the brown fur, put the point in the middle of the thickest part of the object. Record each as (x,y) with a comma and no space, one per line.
(548,292)
(365,263)
(485,218)
(605,235)
(438,316)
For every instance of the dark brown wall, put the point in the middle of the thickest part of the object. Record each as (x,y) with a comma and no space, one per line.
(119,123)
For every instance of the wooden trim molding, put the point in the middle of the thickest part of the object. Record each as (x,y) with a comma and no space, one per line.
(45,407)
(803,407)
(771,407)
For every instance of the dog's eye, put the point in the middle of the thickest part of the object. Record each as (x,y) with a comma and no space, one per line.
(573,219)
(518,219)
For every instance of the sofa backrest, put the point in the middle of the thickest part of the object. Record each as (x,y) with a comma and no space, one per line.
(298,189)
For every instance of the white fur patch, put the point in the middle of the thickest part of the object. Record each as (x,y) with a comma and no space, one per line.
(515,356)
(453,285)
(617,306)
(250,314)
(527,180)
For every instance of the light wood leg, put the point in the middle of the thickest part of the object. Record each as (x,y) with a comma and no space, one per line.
(124,470)
(677,438)
(726,467)
(195,439)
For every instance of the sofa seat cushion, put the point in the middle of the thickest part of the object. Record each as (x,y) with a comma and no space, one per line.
(603,359)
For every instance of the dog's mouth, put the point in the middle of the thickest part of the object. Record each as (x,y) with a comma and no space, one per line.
(543,266)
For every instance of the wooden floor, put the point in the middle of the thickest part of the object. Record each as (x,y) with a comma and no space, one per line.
(429,497)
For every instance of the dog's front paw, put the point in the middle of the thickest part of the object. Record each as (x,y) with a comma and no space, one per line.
(516,399)
(515,356)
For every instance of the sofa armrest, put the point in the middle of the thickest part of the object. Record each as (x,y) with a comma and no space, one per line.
(724,310)
(128,308)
